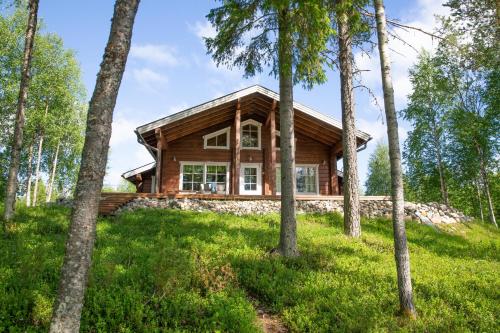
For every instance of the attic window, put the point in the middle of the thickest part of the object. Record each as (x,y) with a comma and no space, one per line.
(250,134)
(217,140)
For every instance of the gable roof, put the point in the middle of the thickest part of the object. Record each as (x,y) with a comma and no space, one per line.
(234,97)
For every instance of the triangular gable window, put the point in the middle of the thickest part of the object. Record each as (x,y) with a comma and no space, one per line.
(217,140)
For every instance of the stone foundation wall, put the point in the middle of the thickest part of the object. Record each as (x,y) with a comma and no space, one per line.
(430,213)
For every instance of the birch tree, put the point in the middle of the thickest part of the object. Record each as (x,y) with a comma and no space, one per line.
(402,254)
(427,111)
(80,243)
(12,182)
(287,37)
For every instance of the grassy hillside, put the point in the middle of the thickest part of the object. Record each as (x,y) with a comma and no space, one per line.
(204,272)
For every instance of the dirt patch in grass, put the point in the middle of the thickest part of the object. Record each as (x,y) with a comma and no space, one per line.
(270,323)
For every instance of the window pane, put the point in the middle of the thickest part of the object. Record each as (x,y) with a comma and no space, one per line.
(221,178)
(250,171)
(187,186)
(186,178)
(198,178)
(211,178)
(211,169)
(198,169)
(212,142)
(247,187)
(253,187)
(248,179)
(222,140)
(188,169)
(250,136)
(221,169)
(306,179)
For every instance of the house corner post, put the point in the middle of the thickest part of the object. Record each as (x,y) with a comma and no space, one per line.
(272,149)
(334,180)
(159,158)
(237,150)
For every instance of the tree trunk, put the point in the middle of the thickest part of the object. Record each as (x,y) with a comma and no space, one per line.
(402,255)
(486,185)
(82,230)
(288,231)
(39,157)
(37,170)
(352,225)
(442,181)
(12,183)
(29,173)
(479,200)
(53,175)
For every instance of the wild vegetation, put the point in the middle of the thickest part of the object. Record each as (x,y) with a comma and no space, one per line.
(452,151)
(54,112)
(187,271)
(192,271)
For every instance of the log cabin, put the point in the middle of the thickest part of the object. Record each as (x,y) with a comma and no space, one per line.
(230,146)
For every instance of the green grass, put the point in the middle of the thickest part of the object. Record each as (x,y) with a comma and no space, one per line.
(159,270)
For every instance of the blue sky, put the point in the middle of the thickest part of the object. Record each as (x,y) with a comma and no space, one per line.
(168,69)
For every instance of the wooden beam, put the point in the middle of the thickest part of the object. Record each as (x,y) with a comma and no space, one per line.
(160,140)
(272,149)
(237,149)
(334,180)
(337,149)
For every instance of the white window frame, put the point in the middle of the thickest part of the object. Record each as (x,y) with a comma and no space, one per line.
(259,132)
(315,166)
(258,191)
(204,164)
(206,137)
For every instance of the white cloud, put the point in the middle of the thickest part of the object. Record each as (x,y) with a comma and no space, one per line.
(176,108)
(203,30)
(125,153)
(123,131)
(158,54)
(148,79)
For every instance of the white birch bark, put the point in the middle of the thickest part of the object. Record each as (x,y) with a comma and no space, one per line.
(30,172)
(53,175)
(12,182)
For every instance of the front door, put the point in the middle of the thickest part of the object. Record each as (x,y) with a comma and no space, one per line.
(250,179)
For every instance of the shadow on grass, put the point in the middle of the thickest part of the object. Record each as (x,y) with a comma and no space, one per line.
(440,243)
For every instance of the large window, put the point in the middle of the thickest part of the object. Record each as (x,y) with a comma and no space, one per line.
(195,175)
(192,177)
(250,179)
(306,178)
(250,134)
(217,177)
(217,140)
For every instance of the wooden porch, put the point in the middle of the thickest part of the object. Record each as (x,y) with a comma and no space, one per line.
(111,201)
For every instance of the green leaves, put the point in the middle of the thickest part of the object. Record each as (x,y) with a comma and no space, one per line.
(247,37)
(379,171)
(56,83)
